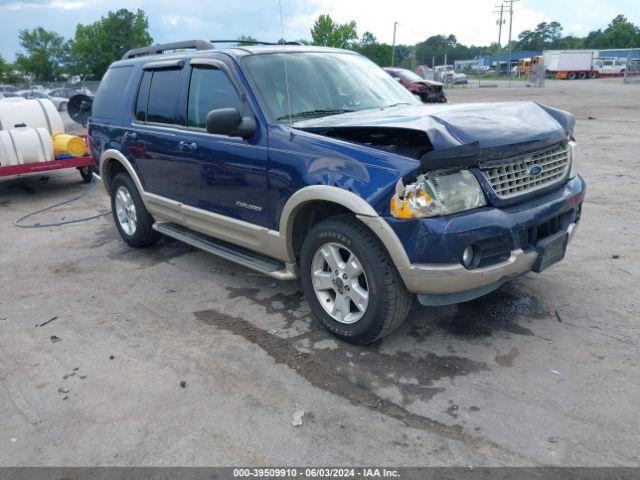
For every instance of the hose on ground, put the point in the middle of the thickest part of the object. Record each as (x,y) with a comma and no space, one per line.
(18,223)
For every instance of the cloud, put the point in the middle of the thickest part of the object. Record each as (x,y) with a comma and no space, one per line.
(50,4)
(471,21)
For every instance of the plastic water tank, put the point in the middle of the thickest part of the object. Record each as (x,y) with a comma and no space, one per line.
(25,145)
(35,113)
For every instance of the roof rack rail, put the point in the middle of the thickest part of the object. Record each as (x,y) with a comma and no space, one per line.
(161,48)
(254,42)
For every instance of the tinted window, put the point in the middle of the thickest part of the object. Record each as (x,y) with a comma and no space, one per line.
(143,95)
(110,92)
(164,93)
(209,89)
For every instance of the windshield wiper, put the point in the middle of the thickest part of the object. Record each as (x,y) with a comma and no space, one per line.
(319,111)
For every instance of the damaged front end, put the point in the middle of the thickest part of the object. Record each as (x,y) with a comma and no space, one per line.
(430,92)
(441,186)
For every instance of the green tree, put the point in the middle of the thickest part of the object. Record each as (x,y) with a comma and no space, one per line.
(621,33)
(328,33)
(545,35)
(368,46)
(7,72)
(245,40)
(46,54)
(97,45)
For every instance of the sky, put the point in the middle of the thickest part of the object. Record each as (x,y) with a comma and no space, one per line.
(471,21)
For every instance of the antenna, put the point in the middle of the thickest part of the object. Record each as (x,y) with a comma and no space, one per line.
(286,75)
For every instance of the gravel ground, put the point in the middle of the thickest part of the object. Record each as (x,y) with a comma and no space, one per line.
(543,371)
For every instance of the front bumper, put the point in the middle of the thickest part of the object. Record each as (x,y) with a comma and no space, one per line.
(440,240)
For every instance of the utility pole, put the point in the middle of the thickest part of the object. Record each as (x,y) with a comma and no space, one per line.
(500,23)
(446,44)
(510,24)
(393,48)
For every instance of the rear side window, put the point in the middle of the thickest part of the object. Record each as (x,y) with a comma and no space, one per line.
(164,96)
(110,92)
(209,89)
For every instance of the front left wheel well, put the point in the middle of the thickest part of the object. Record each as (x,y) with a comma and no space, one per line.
(309,215)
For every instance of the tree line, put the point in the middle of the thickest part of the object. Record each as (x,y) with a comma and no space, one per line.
(47,56)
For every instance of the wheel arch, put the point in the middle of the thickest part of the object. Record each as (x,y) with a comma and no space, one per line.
(342,201)
(107,160)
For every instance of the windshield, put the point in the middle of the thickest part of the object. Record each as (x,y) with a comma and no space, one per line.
(409,75)
(322,84)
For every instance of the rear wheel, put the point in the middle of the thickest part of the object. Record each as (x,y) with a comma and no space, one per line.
(131,216)
(593,75)
(351,284)
(582,75)
(571,76)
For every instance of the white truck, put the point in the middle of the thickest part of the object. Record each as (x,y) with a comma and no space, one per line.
(570,64)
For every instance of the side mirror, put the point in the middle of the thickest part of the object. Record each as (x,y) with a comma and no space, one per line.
(228,121)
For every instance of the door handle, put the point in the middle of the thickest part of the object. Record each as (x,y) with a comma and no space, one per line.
(187,146)
(130,136)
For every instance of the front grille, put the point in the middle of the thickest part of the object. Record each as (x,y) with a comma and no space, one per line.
(511,177)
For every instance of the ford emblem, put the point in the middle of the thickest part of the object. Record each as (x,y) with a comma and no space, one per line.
(534,170)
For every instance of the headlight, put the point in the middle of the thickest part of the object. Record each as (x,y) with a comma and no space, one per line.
(437,193)
(574,158)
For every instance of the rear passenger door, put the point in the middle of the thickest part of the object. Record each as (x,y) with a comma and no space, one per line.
(221,174)
(153,139)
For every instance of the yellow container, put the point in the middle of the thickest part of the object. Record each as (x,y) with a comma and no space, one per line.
(68,144)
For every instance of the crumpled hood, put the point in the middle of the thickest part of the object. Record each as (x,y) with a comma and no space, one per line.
(519,125)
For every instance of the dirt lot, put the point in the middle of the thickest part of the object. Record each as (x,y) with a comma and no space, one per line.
(543,371)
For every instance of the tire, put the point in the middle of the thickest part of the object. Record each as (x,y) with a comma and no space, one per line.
(129,206)
(571,76)
(582,75)
(63,107)
(593,75)
(388,302)
(86,174)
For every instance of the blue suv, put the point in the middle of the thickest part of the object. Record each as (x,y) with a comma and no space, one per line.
(313,163)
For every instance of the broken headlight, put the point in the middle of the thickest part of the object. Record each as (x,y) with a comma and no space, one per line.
(437,193)
(573,158)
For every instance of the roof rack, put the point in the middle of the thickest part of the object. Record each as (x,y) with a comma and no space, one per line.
(161,48)
(254,42)
(192,45)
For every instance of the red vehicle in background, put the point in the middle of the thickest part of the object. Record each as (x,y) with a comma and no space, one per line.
(429,91)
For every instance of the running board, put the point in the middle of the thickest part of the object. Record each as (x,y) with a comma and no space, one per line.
(242,256)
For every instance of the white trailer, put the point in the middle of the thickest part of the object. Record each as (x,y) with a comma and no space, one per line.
(570,64)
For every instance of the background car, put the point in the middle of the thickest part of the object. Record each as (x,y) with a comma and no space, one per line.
(429,91)
(460,79)
(61,103)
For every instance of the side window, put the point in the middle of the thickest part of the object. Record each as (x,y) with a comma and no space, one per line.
(209,89)
(110,92)
(143,96)
(164,95)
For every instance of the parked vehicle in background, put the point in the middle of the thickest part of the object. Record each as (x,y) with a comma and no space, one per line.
(62,92)
(609,66)
(425,72)
(443,73)
(61,103)
(570,64)
(459,78)
(332,172)
(428,91)
(8,90)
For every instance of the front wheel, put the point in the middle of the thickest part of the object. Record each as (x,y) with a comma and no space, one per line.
(350,282)
(131,216)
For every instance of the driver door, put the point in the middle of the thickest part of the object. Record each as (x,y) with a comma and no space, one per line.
(228,174)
